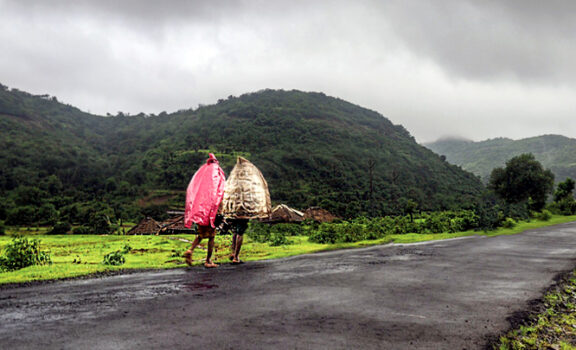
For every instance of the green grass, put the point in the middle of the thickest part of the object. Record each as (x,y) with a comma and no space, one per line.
(553,328)
(523,226)
(78,255)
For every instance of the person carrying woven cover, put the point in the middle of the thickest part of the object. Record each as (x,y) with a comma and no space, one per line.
(203,197)
(246,197)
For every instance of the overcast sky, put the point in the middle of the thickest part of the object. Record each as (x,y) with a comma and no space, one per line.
(469,68)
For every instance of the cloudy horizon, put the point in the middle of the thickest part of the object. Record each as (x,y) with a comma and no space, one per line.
(463,68)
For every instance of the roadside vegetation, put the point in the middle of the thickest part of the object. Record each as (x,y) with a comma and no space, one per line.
(551,325)
(70,255)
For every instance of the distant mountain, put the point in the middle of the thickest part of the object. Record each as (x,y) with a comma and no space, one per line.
(558,153)
(314,150)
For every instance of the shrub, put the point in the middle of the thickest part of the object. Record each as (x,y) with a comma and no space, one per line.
(60,228)
(259,232)
(81,230)
(469,220)
(24,215)
(403,225)
(566,206)
(22,253)
(308,226)
(115,258)
(509,223)
(350,232)
(374,230)
(437,223)
(545,215)
(288,229)
(278,239)
(2,228)
(99,224)
(326,234)
(489,218)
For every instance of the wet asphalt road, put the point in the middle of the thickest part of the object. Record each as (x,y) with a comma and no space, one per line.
(444,295)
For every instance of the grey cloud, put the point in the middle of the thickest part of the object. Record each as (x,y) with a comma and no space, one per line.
(131,10)
(436,66)
(491,40)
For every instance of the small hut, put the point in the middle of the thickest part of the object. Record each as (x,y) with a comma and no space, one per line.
(319,215)
(146,226)
(283,213)
(174,225)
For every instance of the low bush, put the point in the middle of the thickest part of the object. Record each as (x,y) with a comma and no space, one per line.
(21,253)
(114,258)
(566,206)
(60,228)
(326,234)
(545,215)
(81,230)
(509,223)
(289,229)
(276,235)
(278,239)
(485,218)
(258,231)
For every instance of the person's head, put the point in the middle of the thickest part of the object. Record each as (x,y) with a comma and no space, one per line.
(211,159)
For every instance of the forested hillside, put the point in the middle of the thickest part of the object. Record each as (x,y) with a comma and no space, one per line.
(62,164)
(558,153)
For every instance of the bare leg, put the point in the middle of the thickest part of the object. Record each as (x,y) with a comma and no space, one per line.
(189,252)
(209,262)
(238,242)
(233,248)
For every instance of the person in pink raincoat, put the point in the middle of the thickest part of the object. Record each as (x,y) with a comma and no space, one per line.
(203,198)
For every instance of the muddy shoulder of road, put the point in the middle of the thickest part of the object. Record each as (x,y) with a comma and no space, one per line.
(101,274)
(543,317)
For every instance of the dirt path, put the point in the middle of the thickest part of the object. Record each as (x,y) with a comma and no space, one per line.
(442,295)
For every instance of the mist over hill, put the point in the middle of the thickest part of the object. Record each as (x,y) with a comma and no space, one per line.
(314,150)
(556,152)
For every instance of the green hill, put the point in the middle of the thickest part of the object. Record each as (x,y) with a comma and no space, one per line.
(314,150)
(558,153)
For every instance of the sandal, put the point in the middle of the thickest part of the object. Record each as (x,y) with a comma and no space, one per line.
(188,257)
(210,265)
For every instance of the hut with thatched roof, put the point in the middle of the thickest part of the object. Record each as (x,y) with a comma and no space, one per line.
(146,226)
(319,215)
(283,213)
(174,225)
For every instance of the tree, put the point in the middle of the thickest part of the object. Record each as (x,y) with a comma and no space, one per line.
(523,180)
(99,224)
(564,202)
(564,190)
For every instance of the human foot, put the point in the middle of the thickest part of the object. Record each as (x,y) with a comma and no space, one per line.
(188,257)
(210,265)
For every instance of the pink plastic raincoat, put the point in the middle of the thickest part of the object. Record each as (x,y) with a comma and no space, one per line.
(204,194)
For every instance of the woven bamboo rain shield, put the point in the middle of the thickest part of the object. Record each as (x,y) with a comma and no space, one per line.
(246,194)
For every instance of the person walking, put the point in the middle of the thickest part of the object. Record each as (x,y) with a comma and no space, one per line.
(246,197)
(203,197)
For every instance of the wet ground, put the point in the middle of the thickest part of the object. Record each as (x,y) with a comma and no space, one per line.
(452,294)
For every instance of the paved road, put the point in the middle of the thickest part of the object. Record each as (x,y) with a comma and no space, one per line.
(442,295)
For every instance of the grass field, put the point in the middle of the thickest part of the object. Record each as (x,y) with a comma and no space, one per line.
(79,255)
